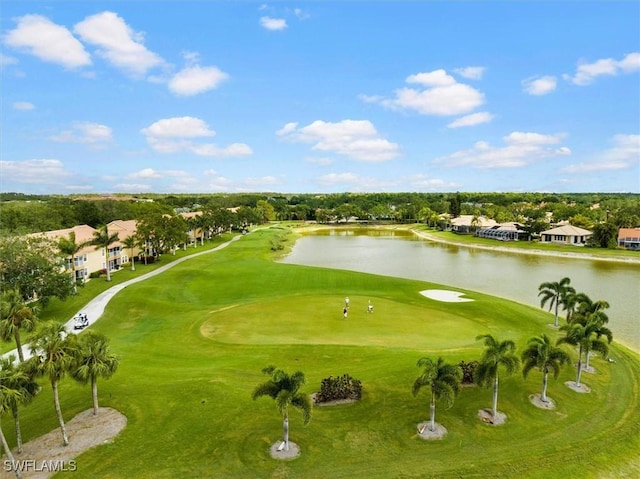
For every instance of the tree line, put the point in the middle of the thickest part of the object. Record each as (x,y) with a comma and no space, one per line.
(604,213)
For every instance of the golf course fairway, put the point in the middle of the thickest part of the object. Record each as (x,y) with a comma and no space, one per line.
(193,340)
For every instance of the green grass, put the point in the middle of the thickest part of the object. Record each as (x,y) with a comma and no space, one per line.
(193,341)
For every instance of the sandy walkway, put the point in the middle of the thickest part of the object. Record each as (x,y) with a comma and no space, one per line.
(44,456)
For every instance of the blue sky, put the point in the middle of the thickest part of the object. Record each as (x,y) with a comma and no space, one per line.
(319,96)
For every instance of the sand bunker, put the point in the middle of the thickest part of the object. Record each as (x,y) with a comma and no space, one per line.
(444,295)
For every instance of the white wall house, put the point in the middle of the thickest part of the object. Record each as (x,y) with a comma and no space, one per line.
(567,234)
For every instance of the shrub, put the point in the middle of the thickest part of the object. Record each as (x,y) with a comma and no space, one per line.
(468,371)
(341,387)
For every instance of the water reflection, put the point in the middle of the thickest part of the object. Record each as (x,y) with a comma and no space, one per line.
(508,275)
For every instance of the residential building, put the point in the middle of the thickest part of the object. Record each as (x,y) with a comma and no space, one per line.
(629,238)
(505,232)
(470,223)
(567,234)
(88,259)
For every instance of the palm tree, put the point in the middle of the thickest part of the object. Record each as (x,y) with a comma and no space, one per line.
(554,293)
(284,389)
(131,242)
(103,239)
(582,335)
(443,381)
(8,396)
(588,311)
(542,354)
(15,315)
(496,354)
(53,351)
(16,378)
(70,248)
(94,360)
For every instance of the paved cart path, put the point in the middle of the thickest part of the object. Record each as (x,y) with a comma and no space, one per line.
(94,308)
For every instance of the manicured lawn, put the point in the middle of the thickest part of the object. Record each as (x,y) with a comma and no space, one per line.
(193,341)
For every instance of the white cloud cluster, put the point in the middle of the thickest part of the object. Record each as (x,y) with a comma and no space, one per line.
(521,149)
(355,139)
(586,73)
(625,153)
(172,135)
(472,73)
(274,24)
(118,43)
(471,120)
(85,132)
(45,171)
(23,106)
(195,79)
(115,42)
(438,94)
(539,85)
(40,37)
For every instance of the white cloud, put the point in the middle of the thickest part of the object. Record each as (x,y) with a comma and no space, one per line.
(356,139)
(521,149)
(441,95)
(355,182)
(426,183)
(85,132)
(118,43)
(6,60)
(434,78)
(171,135)
(179,127)
(324,161)
(586,73)
(264,181)
(527,138)
(471,120)
(273,23)
(132,187)
(196,79)
(539,85)
(145,174)
(473,73)
(23,106)
(151,174)
(44,171)
(625,153)
(232,150)
(39,36)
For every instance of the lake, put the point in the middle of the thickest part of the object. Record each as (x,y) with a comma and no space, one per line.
(508,275)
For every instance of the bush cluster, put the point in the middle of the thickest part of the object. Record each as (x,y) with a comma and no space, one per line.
(468,371)
(341,387)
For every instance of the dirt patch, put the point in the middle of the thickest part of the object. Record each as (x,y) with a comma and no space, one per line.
(278,452)
(579,388)
(41,456)
(439,431)
(336,402)
(487,417)
(536,400)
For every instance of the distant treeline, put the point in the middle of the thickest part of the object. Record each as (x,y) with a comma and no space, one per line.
(21,213)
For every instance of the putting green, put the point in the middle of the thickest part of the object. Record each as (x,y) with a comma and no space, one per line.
(305,319)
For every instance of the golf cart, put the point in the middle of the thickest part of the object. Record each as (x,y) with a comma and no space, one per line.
(81,321)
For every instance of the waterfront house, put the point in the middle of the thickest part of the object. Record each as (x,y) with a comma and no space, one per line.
(566,234)
(629,238)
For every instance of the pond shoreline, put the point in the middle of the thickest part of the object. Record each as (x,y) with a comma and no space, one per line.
(310,228)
